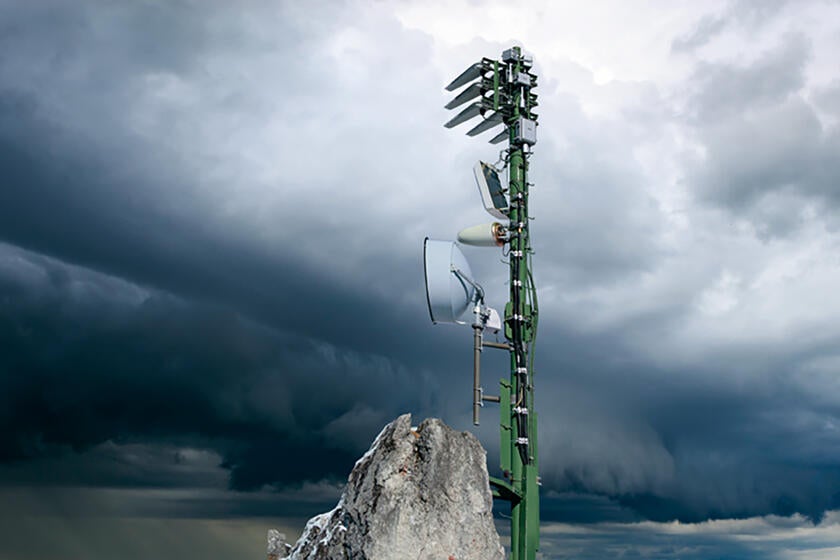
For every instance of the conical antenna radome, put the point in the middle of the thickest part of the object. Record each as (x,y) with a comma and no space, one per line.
(493,234)
(450,288)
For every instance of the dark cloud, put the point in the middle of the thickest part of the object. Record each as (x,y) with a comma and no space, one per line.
(90,359)
(705,30)
(754,14)
(828,99)
(767,156)
(689,448)
(770,178)
(725,91)
(594,220)
(744,13)
(766,537)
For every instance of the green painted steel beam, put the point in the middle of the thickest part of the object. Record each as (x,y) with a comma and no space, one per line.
(505,433)
(503,491)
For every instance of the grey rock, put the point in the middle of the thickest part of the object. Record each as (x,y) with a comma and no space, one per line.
(416,494)
(277,545)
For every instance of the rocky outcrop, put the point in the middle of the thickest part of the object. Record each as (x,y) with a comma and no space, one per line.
(277,545)
(416,494)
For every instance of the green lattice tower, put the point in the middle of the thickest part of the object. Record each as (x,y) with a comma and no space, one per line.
(503,92)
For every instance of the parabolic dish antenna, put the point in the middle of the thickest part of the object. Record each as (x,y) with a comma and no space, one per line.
(450,288)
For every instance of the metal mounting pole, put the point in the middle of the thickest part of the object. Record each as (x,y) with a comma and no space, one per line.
(477,404)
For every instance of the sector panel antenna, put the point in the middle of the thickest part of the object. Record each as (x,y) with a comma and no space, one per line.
(500,137)
(491,190)
(493,120)
(471,73)
(470,93)
(448,294)
(471,111)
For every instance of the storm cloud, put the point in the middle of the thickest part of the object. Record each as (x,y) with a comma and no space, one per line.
(211,226)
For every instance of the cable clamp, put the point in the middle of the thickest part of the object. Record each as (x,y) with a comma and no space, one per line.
(516,254)
(517,282)
(521,441)
(521,370)
(521,410)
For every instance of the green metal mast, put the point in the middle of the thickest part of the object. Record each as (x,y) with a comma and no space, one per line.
(504,97)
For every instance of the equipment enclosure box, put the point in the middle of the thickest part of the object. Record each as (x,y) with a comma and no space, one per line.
(510,55)
(526,131)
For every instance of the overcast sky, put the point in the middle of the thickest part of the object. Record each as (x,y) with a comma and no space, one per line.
(211,294)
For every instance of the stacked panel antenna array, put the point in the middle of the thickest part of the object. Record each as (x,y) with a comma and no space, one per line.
(491,91)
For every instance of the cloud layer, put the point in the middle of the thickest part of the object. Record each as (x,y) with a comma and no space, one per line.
(211,221)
